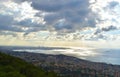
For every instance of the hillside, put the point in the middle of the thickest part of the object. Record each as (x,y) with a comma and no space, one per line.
(67,66)
(64,66)
(15,67)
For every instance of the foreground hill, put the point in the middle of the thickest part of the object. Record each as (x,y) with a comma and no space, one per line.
(15,67)
(67,66)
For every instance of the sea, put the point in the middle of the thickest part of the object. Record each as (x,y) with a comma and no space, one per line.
(106,55)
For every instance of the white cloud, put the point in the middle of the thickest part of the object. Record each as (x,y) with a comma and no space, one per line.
(22,11)
(108,12)
(21,17)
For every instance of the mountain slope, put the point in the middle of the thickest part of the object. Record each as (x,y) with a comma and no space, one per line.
(15,67)
(67,66)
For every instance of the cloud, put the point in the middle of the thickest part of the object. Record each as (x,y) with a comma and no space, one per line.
(109,28)
(19,17)
(107,12)
(5,21)
(6,33)
(54,6)
(62,25)
(113,4)
(19,1)
(64,17)
(76,17)
(35,15)
(107,20)
(105,29)
(7,24)
(76,13)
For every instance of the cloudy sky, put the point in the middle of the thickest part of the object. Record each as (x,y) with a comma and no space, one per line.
(60,22)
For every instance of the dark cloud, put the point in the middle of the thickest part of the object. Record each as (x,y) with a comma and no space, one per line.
(19,1)
(7,23)
(109,28)
(77,14)
(6,20)
(73,11)
(53,5)
(29,23)
(63,25)
(105,29)
(52,18)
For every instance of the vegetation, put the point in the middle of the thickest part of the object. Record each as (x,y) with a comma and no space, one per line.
(15,67)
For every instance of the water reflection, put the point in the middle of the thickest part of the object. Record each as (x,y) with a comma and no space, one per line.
(111,56)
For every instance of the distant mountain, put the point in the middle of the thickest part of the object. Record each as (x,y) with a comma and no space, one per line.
(67,66)
(15,67)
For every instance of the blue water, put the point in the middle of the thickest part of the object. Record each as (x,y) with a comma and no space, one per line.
(110,56)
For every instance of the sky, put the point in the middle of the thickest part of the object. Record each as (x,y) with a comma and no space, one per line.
(76,23)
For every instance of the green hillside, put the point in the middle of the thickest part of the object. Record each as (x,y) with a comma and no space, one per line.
(15,67)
